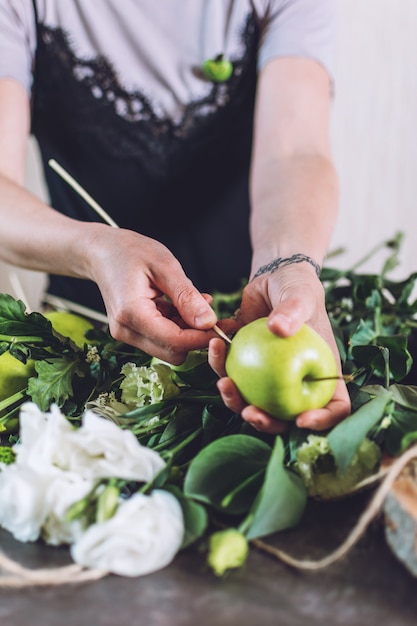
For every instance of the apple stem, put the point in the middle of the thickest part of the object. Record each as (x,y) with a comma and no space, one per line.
(346,377)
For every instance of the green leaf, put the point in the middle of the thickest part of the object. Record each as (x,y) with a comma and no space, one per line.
(385,352)
(374,300)
(405,395)
(373,357)
(409,439)
(11,312)
(403,416)
(200,376)
(15,321)
(403,422)
(281,501)
(363,335)
(54,382)
(345,438)
(143,413)
(227,473)
(297,436)
(400,359)
(195,516)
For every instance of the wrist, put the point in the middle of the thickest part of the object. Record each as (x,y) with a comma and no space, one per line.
(285,261)
(93,248)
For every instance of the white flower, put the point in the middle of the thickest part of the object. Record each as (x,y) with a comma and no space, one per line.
(62,492)
(22,498)
(101,449)
(34,503)
(58,465)
(143,536)
(98,449)
(42,437)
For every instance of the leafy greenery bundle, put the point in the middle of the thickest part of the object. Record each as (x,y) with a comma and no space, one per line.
(220,469)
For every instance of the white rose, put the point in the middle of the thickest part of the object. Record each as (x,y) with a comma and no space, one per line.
(63,491)
(22,498)
(42,437)
(101,449)
(143,536)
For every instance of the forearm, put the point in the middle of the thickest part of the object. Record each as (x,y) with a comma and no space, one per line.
(35,236)
(294,207)
(294,190)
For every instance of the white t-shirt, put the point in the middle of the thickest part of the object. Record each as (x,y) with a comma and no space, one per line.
(156,46)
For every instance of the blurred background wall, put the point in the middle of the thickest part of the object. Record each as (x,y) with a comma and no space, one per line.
(375,129)
(374,134)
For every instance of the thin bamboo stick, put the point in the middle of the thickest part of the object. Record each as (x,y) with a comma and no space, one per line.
(103,214)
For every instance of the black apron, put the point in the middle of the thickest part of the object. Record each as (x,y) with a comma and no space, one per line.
(185,185)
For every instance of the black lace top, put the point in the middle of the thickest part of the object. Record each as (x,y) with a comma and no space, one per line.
(184,183)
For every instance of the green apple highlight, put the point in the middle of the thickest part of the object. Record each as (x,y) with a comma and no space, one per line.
(283,376)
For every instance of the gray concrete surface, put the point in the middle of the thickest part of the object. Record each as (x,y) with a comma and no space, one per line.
(368,587)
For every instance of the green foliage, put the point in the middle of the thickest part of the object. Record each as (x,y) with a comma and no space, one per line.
(54,381)
(228,473)
(345,438)
(373,318)
(280,502)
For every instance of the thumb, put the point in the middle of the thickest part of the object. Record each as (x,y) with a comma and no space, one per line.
(287,317)
(191,304)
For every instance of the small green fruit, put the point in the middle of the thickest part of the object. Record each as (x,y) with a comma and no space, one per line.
(218,69)
(283,376)
(70,325)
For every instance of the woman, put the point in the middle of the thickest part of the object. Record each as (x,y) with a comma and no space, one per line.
(210,180)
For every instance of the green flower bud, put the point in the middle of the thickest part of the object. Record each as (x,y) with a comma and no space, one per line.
(228,549)
(107,503)
(77,510)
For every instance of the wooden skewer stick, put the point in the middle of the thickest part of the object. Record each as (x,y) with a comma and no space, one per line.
(62,303)
(221,334)
(81,192)
(102,213)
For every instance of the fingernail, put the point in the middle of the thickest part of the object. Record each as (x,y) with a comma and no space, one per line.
(282,321)
(204,317)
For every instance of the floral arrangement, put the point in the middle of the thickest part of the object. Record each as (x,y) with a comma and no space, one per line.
(128,460)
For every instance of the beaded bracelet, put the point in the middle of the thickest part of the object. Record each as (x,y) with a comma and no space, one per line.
(295,258)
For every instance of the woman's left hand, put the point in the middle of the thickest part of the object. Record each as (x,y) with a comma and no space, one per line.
(289,297)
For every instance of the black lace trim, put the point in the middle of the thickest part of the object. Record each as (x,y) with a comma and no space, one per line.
(82,102)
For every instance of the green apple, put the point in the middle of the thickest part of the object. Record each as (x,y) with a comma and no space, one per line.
(283,376)
(70,325)
(13,374)
(218,69)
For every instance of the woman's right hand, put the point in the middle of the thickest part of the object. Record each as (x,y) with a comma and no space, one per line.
(150,302)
